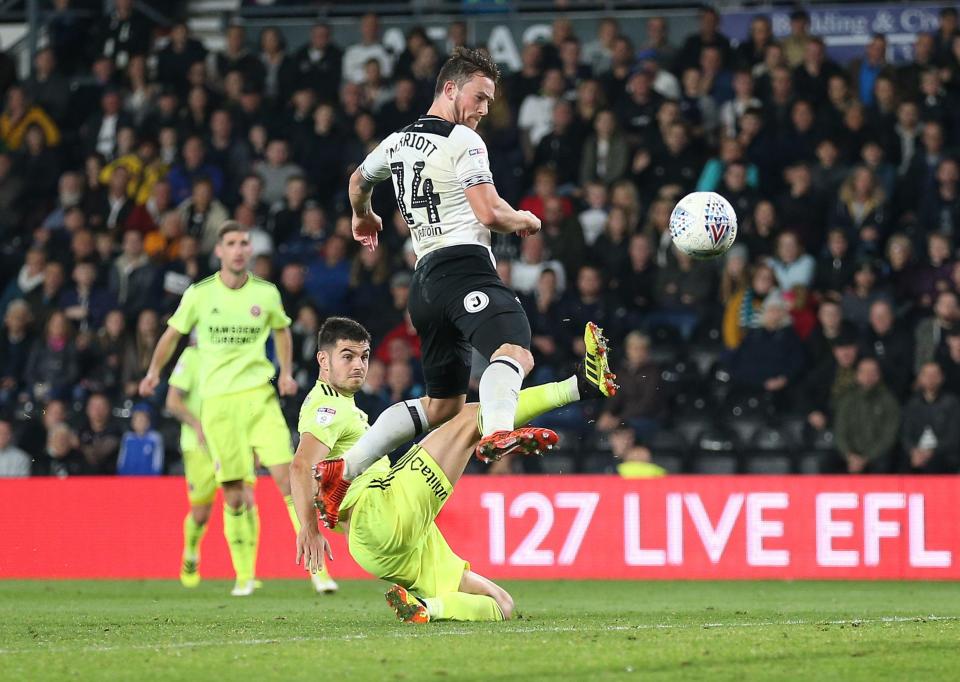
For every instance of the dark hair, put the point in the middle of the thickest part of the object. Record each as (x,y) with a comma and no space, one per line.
(341,329)
(463,64)
(230,226)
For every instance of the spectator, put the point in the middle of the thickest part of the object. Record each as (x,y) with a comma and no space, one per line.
(237,58)
(535,115)
(276,170)
(862,210)
(544,188)
(305,328)
(558,148)
(52,367)
(770,357)
(931,425)
(62,458)
(812,76)
(86,304)
(605,156)
(286,216)
(835,268)
(101,131)
(636,461)
(892,347)
(105,357)
(830,327)
(147,217)
(328,280)
(123,33)
(743,99)
(16,342)
(141,449)
(638,403)
(830,380)
(137,358)
(19,115)
(372,397)
(743,311)
(194,166)
(864,71)
(708,36)
(599,52)
(202,214)
(28,278)
(551,343)
(801,208)
(795,44)
(180,53)
(144,170)
(44,300)
(638,111)
(940,210)
(133,279)
(862,294)
(829,172)
(681,296)
(930,333)
(792,267)
(47,86)
(533,261)
(277,67)
(117,206)
(563,236)
(319,63)
(867,423)
(99,438)
(14,462)
(933,276)
(368,48)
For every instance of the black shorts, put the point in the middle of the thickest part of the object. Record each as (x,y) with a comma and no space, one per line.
(457,300)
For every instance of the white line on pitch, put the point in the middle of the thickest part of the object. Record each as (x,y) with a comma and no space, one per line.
(506,629)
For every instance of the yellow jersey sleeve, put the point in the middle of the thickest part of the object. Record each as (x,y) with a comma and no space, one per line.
(185,317)
(332,418)
(184,374)
(278,318)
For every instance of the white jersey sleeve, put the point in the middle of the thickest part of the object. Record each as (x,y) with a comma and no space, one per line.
(376,167)
(471,164)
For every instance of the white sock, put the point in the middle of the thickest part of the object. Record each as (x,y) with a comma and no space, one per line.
(572,389)
(499,392)
(399,423)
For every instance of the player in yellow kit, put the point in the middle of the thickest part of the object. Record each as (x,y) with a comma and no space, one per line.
(234,313)
(389,512)
(183,402)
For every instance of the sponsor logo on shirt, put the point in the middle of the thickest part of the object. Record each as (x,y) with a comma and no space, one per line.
(325,415)
(477,152)
(255,311)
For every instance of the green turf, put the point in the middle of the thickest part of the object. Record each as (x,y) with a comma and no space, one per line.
(568,630)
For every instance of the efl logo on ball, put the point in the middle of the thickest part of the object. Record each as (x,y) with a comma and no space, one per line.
(703,225)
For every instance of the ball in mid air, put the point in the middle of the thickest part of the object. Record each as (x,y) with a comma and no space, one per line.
(703,225)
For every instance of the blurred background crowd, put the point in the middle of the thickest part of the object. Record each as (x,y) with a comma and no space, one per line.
(827,340)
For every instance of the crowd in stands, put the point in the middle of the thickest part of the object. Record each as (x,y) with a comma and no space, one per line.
(120,156)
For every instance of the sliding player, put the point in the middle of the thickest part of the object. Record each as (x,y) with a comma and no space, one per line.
(389,511)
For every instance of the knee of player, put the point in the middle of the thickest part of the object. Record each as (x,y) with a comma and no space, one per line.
(505,602)
(201,514)
(517,353)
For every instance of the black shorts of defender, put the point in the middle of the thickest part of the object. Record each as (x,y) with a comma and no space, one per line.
(457,300)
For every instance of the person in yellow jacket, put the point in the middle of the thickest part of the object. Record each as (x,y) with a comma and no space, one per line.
(635,460)
(145,170)
(19,115)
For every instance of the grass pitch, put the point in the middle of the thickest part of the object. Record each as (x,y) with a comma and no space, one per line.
(567,630)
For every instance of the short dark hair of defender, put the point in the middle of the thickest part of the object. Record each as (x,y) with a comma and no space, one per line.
(341,329)
(230,226)
(463,64)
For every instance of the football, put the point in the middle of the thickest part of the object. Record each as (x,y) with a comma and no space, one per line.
(703,225)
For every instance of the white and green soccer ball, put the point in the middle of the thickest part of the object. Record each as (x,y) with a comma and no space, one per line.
(703,225)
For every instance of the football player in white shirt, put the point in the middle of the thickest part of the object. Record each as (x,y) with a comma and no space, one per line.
(444,188)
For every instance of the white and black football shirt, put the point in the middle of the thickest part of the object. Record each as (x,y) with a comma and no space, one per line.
(432,162)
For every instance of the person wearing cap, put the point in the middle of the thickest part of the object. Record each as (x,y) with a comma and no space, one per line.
(830,381)
(141,450)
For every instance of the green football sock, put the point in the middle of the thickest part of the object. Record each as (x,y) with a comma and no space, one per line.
(253,521)
(192,535)
(538,400)
(462,606)
(236,529)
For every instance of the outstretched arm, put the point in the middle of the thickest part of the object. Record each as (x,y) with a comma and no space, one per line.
(366,224)
(311,545)
(161,356)
(496,214)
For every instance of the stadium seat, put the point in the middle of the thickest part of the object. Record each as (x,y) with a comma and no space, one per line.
(746,428)
(767,463)
(674,464)
(690,428)
(600,463)
(808,462)
(705,462)
(559,463)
